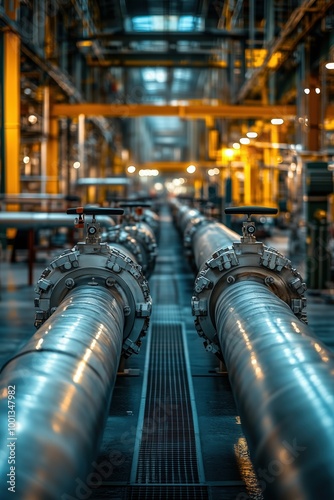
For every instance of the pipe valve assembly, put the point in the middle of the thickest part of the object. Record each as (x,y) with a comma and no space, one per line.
(249,306)
(92,305)
(95,264)
(244,261)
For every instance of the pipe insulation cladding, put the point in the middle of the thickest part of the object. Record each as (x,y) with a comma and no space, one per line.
(93,305)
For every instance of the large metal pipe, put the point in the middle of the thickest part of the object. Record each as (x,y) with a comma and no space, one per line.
(282,379)
(208,238)
(249,307)
(63,380)
(93,304)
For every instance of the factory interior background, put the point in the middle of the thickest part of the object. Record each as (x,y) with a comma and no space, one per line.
(166,249)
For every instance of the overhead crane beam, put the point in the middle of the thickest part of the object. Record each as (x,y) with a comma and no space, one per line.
(170,36)
(204,58)
(191,111)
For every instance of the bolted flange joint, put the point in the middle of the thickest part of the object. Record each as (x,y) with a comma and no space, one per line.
(243,261)
(99,266)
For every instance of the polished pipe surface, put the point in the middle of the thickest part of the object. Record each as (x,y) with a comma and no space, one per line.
(282,379)
(145,238)
(208,238)
(33,220)
(63,378)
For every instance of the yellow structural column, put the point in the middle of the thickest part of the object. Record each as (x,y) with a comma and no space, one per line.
(49,148)
(275,171)
(52,185)
(11,107)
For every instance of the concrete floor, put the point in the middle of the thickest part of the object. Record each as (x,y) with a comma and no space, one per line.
(217,465)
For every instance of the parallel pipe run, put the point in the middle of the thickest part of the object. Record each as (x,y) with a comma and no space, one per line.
(249,307)
(63,380)
(210,237)
(282,379)
(138,239)
(92,305)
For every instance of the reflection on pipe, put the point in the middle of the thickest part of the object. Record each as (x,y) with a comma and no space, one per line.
(249,308)
(93,304)
(63,381)
(283,382)
(43,220)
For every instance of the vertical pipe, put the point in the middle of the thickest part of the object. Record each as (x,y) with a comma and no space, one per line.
(44,143)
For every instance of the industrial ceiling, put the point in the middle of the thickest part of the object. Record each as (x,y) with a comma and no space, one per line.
(175,53)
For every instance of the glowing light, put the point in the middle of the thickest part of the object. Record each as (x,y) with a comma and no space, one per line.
(131,169)
(251,135)
(306,91)
(317,90)
(148,172)
(26,159)
(244,140)
(277,121)
(32,119)
(76,164)
(191,169)
(329,65)
(236,145)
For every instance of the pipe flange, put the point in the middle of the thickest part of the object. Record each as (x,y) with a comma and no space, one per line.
(152,220)
(193,225)
(98,265)
(187,216)
(243,261)
(145,238)
(119,235)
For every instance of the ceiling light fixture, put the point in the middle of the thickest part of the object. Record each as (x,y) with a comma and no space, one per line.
(251,135)
(277,121)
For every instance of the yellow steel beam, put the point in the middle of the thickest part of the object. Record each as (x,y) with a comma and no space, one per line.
(11,112)
(191,111)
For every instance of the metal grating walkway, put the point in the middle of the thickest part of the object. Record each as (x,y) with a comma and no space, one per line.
(170,492)
(167,452)
(167,461)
